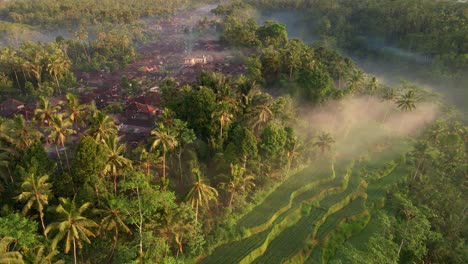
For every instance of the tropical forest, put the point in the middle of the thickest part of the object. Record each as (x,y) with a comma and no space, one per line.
(233,131)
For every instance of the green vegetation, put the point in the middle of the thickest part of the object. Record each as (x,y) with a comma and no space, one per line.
(304,159)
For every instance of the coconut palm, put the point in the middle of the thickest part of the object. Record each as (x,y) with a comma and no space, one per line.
(421,153)
(5,164)
(116,161)
(407,101)
(259,111)
(35,191)
(200,194)
(224,116)
(74,110)
(7,256)
(45,111)
(59,128)
(112,220)
(238,183)
(102,126)
(41,257)
(355,81)
(71,226)
(164,140)
(324,142)
(23,134)
(58,65)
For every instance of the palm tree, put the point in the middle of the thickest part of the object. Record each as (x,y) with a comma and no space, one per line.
(355,81)
(324,142)
(421,153)
(238,182)
(71,225)
(102,126)
(74,110)
(23,135)
(116,161)
(200,194)
(7,256)
(224,117)
(58,65)
(390,95)
(407,101)
(45,111)
(41,257)
(112,220)
(259,110)
(59,131)
(164,140)
(35,192)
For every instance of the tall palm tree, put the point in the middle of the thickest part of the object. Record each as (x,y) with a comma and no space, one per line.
(102,126)
(41,257)
(7,256)
(35,191)
(259,111)
(112,220)
(23,134)
(224,116)
(164,140)
(116,161)
(421,153)
(200,194)
(74,110)
(324,142)
(45,111)
(390,95)
(58,65)
(355,81)
(59,131)
(407,101)
(72,226)
(238,183)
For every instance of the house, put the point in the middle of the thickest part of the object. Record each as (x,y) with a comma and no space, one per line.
(195,60)
(139,111)
(10,107)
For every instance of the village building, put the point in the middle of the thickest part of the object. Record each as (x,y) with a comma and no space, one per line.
(141,112)
(195,60)
(11,107)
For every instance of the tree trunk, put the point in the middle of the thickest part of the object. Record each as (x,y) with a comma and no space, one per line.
(114,246)
(58,84)
(399,249)
(179,156)
(164,165)
(59,157)
(140,226)
(74,250)
(115,184)
(66,159)
(41,215)
(196,211)
(231,199)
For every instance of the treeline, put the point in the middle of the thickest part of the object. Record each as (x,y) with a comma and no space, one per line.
(173,195)
(424,218)
(34,69)
(436,30)
(68,13)
(313,74)
(38,69)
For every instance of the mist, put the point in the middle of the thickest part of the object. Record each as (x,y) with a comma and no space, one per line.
(390,64)
(360,123)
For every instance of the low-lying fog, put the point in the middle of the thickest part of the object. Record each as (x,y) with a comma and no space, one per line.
(357,123)
(394,66)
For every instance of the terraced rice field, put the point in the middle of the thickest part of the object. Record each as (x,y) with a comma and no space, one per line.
(294,223)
